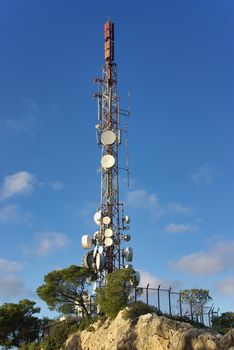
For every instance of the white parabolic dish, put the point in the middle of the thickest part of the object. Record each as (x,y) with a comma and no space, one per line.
(108,233)
(108,161)
(108,242)
(108,138)
(106,220)
(128,254)
(97,217)
(86,241)
(100,261)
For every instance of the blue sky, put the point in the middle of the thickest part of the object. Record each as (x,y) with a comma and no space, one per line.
(176,58)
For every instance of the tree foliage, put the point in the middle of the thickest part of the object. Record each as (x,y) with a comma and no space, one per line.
(115,295)
(197,298)
(18,325)
(138,308)
(65,290)
(58,335)
(224,322)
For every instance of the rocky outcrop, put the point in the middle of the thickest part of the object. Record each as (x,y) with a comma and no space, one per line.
(151,332)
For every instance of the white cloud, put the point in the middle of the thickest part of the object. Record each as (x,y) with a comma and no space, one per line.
(141,199)
(27,122)
(11,285)
(153,281)
(21,182)
(178,208)
(9,266)
(24,124)
(178,228)
(56,185)
(9,213)
(218,258)
(48,242)
(205,174)
(29,105)
(226,286)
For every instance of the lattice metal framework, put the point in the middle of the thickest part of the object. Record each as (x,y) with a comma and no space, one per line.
(109,118)
(108,255)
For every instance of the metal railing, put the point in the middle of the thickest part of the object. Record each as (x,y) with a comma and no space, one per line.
(170,302)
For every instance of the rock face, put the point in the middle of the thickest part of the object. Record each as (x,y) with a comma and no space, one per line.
(151,332)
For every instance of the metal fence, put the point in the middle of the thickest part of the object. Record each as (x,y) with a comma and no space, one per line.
(170,302)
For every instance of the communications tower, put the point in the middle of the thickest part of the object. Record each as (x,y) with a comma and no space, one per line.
(107,244)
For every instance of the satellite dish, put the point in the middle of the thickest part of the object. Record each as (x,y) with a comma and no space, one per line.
(88,260)
(95,235)
(108,138)
(138,277)
(128,254)
(106,220)
(127,219)
(87,241)
(111,200)
(100,261)
(100,250)
(108,232)
(95,252)
(126,238)
(108,242)
(135,279)
(97,217)
(128,266)
(108,161)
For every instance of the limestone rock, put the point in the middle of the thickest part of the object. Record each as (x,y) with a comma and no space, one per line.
(151,332)
(227,341)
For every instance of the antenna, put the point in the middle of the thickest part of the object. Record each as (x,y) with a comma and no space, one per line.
(127,155)
(129,102)
(107,254)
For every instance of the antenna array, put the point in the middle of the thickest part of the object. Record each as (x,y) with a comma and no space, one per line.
(107,254)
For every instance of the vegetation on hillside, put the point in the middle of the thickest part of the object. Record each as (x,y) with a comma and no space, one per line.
(197,298)
(115,295)
(66,290)
(18,323)
(224,322)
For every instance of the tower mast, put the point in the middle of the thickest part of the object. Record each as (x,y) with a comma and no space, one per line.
(110,122)
(107,254)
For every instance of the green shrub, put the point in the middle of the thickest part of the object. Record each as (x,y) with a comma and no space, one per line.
(114,296)
(85,323)
(135,310)
(223,323)
(185,319)
(31,346)
(58,335)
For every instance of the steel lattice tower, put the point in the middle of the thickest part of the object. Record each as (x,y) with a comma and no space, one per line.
(108,255)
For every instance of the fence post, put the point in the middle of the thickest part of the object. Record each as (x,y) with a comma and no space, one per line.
(180,302)
(169,294)
(202,315)
(159,297)
(212,314)
(209,317)
(147,294)
(191,310)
